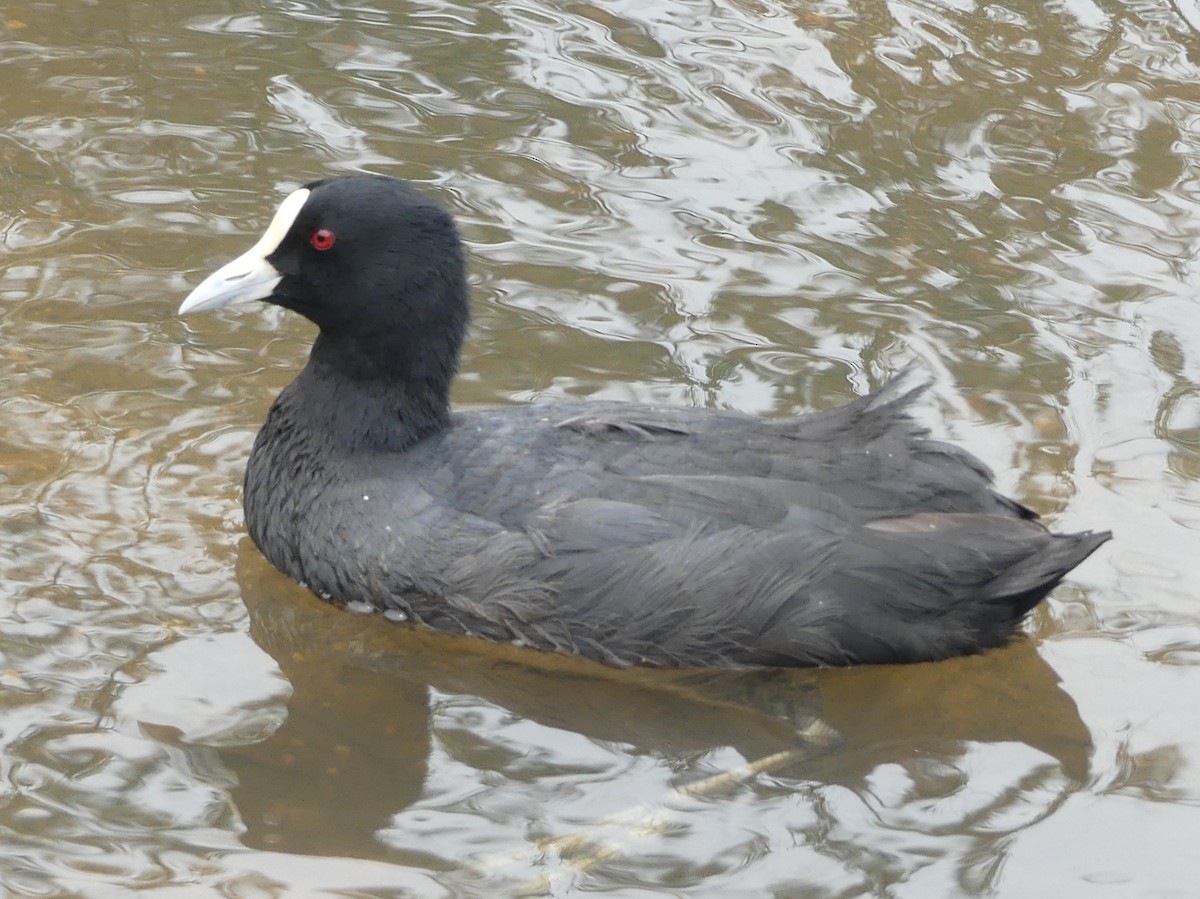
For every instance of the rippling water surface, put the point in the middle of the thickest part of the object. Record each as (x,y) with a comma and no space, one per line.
(750,204)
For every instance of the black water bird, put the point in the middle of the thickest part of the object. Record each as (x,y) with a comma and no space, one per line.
(631,534)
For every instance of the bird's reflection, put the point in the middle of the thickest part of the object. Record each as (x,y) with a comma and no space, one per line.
(354,747)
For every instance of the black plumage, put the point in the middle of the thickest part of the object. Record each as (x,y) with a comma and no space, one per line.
(625,533)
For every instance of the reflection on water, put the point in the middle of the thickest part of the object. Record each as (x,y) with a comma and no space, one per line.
(742,203)
(372,698)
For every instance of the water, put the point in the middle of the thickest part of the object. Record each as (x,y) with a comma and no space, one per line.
(739,203)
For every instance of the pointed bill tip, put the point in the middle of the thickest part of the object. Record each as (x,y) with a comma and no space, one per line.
(251,276)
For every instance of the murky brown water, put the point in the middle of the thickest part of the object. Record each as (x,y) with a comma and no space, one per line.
(745,203)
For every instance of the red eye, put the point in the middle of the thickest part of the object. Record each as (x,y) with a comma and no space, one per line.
(322,239)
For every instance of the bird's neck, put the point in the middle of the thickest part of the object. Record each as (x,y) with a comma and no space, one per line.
(372,395)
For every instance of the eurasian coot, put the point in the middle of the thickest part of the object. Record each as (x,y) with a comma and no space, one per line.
(626,533)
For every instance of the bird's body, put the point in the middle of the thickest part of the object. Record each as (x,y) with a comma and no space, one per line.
(625,533)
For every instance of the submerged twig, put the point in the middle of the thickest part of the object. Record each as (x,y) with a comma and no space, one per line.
(641,821)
